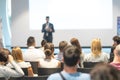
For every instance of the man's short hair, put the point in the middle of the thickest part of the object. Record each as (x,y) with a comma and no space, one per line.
(30,41)
(116,39)
(71,55)
(47,17)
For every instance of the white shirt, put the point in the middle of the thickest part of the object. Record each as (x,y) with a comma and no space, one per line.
(8,72)
(103,57)
(21,64)
(49,63)
(33,54)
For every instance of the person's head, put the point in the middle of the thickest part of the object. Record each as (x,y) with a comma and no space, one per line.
(31,41)
(105,72)
(43,42)
(4,55)
(47,19)
(48,53)
(116,40)
(71,56)
(49,46)
(17,54)
(62,45)
(75,42)
(96,47)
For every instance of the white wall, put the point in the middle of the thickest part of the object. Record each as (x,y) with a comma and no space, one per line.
(20,28)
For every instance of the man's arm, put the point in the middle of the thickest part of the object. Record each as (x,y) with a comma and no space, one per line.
(43,28)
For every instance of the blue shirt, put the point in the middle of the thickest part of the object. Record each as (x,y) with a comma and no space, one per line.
(67,76)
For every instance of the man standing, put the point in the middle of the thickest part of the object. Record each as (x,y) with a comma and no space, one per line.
(48,29)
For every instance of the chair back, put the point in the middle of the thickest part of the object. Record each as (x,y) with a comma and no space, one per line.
(48,71)
(90,64)
(2,78)
(29,78)
(25,70)
(34,66)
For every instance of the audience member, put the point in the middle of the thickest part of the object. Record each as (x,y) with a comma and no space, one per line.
(43,42)
(96,54)
(62,45)
(116,41)
(6,71)
(48,61)
(105,72)
(70,58)
(75,42)
(116,60)
(51,47)
(18,57)
(32,54)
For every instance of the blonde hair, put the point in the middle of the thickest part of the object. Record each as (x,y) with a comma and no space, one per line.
(17,54)
(96,47)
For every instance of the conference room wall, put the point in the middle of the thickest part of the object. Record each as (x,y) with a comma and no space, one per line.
(21,31)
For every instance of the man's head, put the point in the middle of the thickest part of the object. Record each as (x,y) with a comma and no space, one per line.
(31,41)
(47,19)
(71,56)
(116,40)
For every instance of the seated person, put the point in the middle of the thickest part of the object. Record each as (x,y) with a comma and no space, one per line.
(96,54)
(116,59)
(116,41)
(32,54)
(70,58)
(62,45)
(48,61)
(105,72)
(43,42)
(6,71)
(51,47)
(18,57)
(75,42)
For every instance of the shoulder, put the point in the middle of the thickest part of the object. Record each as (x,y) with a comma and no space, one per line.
(85,76)
(55,76)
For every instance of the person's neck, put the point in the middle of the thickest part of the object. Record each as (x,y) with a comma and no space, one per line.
(116,60)
(70,69)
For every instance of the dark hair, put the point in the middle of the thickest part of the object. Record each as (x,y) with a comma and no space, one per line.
(116,39)
(43,42)
(105,72)
(3,55)
(48,52)
(49,46)
(30,41)
(75,42)
(71,55)
(47,17)
(62,45)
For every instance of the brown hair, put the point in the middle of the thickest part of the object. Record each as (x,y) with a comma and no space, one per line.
(62,45)
(17,54)
(104,72)
(75,42)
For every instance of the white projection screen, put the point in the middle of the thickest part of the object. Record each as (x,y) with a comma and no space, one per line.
(83,19)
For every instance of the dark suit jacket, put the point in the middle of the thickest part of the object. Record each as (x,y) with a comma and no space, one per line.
(48,35)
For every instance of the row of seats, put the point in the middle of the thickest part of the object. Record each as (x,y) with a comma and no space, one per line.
(41,71)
